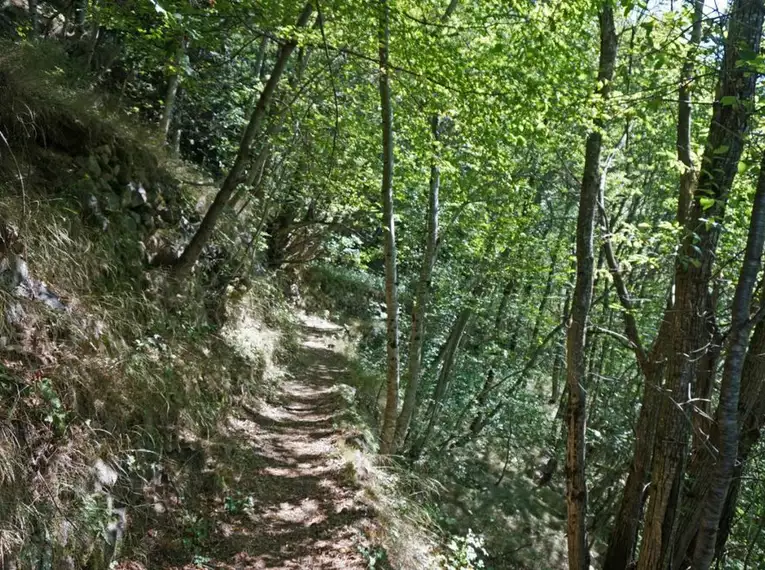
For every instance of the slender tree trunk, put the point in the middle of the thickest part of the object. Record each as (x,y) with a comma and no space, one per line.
(388,432)
(687,320)
(576,483)
(507,292)
(175,144)
(705,382)
(688,178)
(173,81)
(80,16)
(753,541)
(483,417)
(545,298)
(34,18)
(450,355)
(726,417)
(560,356)
(233,179)
(422,295)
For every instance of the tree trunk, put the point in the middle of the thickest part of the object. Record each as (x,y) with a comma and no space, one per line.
(452,348)
(80,16)
(173,81)
(388,431)
(194,249)
(726,417)
(545,298)
(623,538)
(751,415)
(560,356)
(576,484)
(422,295)
(34,18)
(687,321)
(175,144)
(705,382)
(507,291)
(688,178)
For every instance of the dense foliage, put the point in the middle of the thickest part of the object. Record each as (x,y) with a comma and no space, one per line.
(567,241)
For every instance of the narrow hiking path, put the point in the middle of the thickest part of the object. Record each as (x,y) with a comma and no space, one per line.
(287,499)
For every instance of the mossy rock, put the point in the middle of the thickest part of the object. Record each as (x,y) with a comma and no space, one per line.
(126,196)
(123,175)
(92,166)
(112,202)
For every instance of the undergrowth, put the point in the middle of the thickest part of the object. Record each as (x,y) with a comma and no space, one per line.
(112,377)
(414,531)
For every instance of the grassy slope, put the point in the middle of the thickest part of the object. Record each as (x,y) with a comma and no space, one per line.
(105,405)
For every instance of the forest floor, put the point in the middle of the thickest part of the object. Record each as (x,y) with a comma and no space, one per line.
(291,500)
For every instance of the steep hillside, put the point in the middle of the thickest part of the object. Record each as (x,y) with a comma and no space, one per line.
(113,377)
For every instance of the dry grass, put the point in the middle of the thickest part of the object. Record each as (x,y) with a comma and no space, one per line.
(128,373)
(132,372)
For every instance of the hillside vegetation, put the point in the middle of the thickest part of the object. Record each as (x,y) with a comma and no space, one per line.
(362,284)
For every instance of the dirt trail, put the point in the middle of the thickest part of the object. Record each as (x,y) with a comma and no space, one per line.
(290,501)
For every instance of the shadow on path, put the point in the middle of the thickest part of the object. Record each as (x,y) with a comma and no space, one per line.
(284,498)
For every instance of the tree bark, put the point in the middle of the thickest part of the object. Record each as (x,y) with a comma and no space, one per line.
(688,178)
(545,298)
(173,81)
(450,355)
(687,321)
(80,16)
(576,369)
(34,18)
(387,434)
(751,416)
(560,357)
(726,416)
(233,179)
(621,544)
(422,295)
(623,538)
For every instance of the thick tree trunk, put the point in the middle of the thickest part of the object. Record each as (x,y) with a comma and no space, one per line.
(387,434)
(233,179)
(173,81)
(751,416)
(422,295)
(726,417)
(693,270)
(623,538)
(576,483)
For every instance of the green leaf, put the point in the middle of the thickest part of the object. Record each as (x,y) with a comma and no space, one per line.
(722,149)
(728,100)
(706,203)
